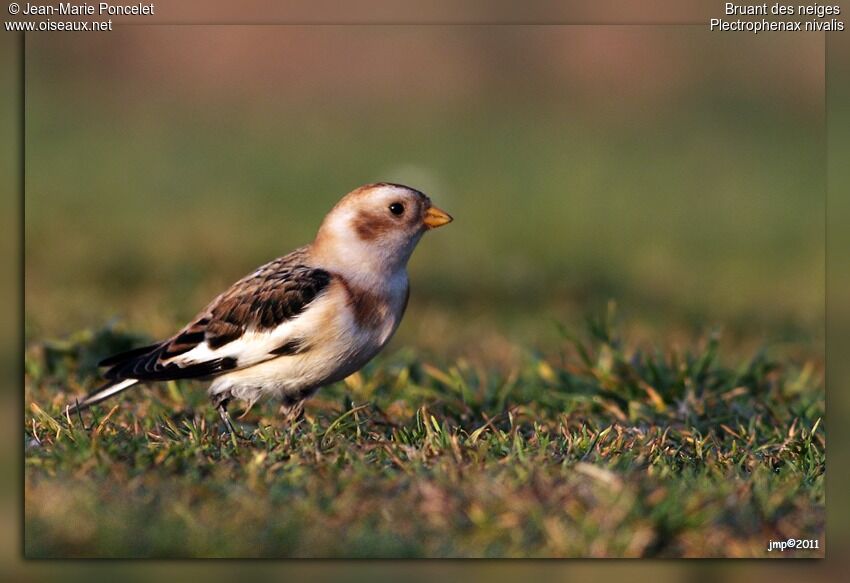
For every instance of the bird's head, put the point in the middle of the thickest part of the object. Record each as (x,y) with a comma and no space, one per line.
(378,225)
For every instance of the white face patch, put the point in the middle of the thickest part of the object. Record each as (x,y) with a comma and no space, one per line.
(364,240)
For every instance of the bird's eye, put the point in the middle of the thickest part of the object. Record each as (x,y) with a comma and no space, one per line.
(396,208)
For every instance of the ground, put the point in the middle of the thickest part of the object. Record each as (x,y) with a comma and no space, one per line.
(604,450)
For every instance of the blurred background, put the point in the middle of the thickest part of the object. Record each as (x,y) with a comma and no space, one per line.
(662,167)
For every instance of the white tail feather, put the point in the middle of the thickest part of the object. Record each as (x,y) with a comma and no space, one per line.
(102,394)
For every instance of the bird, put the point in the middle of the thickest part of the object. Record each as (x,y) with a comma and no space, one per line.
(299,322)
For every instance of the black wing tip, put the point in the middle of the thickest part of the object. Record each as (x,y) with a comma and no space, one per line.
(128,354)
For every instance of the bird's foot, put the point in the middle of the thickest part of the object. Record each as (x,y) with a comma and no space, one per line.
(228,422)
(292,412)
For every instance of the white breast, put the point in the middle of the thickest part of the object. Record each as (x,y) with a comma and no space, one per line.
(336,344)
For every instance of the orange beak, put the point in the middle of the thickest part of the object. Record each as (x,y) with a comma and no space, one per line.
(435,217)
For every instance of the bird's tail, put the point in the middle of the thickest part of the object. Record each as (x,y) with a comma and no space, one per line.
(101,394)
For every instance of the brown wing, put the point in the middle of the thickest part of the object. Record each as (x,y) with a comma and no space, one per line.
(278,291)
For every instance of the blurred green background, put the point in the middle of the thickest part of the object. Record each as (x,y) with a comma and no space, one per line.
(676,171)
(664,167)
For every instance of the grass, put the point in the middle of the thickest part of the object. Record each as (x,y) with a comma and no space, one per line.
(600,449)
(498,435)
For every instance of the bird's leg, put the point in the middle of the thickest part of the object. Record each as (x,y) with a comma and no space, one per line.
(220,401)
(292,411)
(225,417)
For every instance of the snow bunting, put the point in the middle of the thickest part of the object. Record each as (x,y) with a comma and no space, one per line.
(305,320)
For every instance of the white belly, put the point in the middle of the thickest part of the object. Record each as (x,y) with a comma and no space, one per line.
(336,347)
